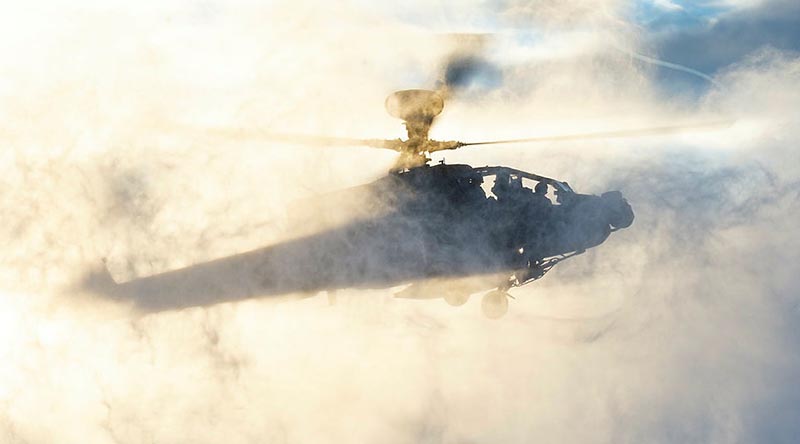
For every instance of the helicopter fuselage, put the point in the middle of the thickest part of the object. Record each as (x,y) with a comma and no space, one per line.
(438,222)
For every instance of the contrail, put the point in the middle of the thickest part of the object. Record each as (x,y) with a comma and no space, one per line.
(670,65)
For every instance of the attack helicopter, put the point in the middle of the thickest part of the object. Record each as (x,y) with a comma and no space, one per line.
(438,224)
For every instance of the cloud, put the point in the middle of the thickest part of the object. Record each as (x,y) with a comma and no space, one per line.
(732,36)
(667,5)
(681,328)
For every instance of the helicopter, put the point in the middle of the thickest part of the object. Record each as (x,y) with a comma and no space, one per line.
(433,226)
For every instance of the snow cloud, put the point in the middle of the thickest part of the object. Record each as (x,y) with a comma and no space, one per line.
(131,133)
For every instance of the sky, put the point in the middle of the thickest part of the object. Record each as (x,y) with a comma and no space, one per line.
(135,133)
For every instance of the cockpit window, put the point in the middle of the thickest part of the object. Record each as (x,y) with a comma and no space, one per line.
(496,185)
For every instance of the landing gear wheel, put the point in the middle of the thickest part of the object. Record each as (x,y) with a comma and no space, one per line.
(495,304)
(456,299)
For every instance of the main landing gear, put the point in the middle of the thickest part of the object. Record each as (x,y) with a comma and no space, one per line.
(495,303)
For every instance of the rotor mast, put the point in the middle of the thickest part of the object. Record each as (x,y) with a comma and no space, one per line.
(417,108)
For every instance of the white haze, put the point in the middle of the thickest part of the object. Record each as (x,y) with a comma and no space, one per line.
(682,328)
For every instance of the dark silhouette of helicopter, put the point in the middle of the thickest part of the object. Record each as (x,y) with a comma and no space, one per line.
(436,223)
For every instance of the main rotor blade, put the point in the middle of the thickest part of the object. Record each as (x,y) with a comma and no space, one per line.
(303,139)
(610,134)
